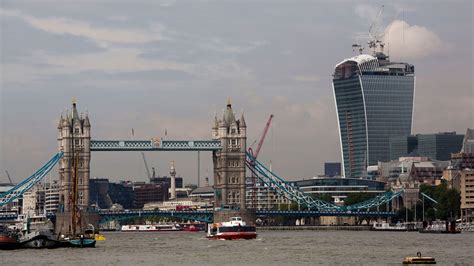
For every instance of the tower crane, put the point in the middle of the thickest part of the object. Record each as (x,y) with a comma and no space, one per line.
(9,178)
(146,166)
(254,157)
(260,143)
(374,33)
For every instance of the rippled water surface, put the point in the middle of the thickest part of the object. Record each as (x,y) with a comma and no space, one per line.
(270,248)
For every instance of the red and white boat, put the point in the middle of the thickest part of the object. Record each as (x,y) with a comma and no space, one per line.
(234,229)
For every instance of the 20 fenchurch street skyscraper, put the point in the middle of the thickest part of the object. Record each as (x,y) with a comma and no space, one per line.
(374,101)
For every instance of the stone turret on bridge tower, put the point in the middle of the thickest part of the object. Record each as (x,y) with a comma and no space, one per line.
(229,163)
(74,135)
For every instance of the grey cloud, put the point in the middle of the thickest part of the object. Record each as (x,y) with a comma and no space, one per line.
(253,52)
(23,40)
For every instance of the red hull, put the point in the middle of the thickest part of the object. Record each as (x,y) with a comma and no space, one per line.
(7,242)
(153,230)
(191,229)
(234,235)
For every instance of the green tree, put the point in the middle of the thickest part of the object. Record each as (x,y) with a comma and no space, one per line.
(324,197)
(449,202)
(355,198)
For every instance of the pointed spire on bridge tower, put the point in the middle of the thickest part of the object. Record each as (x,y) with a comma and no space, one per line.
(242,120)
(74,114)
(216,122)
(66,119)
(87,123)
(60,123)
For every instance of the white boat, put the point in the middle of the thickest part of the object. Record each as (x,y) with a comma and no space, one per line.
(37,231)
(150,227)
(394,228)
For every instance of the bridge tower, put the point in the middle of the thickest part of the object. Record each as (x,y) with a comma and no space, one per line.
(74,136)
(229,163)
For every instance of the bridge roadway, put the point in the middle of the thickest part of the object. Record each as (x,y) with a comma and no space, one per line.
(207,216)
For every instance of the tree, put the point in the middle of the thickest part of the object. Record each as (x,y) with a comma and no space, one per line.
(324,197)
(355,198)
(449,202)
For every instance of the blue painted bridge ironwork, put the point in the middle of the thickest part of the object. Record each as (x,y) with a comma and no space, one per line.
(25,185)
(207,216)
(202,216)
(155,145)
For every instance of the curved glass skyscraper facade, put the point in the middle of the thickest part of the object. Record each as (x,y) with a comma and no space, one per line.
(374,101)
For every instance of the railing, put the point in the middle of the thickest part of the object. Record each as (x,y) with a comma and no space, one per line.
(155,145)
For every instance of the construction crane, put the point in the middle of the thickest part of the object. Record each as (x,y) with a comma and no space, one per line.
(260,143)
(146,166)
(375,34)
(254,157)
(9,178)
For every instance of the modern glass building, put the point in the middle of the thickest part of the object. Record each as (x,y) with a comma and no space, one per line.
(439,146)
(374,101)
(339,188)
(435,146)
(401,146)
(332,169)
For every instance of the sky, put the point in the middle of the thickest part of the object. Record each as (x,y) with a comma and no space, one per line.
(172,65)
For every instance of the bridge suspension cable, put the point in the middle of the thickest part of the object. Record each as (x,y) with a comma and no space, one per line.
(293,193)
(284,188)
(28,183)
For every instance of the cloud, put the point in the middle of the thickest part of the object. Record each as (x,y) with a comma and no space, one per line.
(307,78)
(367,12)
(412,41)
(101,35)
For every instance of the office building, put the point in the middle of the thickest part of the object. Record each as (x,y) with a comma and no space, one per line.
(51,202)
(332,169)
(34,200)
(439,146)
(402,146)
(467,195)
(262,197)
(374,101)
(145,193)
(339,188)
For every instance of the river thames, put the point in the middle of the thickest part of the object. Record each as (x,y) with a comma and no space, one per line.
(270,248)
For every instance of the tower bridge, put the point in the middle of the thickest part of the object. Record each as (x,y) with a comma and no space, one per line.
(228,144)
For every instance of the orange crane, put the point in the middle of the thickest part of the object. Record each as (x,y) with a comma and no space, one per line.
(254,157)
(260,143)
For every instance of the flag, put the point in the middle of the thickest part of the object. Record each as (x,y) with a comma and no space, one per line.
(133,133)
(166,133)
